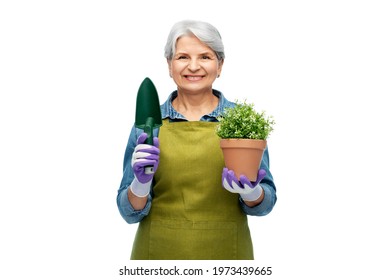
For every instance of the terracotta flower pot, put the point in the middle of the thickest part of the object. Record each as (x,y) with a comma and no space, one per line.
(243,156)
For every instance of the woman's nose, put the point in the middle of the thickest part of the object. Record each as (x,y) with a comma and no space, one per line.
(193,65)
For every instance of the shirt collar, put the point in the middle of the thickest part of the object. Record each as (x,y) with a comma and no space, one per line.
(167,110)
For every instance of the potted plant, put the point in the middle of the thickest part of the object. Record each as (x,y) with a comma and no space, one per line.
(244,133)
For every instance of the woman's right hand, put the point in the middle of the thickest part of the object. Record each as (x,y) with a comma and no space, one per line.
(144,155)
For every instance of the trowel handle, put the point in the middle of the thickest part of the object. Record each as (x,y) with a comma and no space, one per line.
(148,129)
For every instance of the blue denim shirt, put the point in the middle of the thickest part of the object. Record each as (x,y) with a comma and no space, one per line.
(167,111)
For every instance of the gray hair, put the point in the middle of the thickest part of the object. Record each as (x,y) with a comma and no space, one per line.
(204,31)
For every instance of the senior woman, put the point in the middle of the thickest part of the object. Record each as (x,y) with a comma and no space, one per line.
(191,207)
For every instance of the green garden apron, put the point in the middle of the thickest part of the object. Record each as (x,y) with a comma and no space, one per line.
(192,216)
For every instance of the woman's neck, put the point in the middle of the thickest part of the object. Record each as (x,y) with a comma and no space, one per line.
(194,106)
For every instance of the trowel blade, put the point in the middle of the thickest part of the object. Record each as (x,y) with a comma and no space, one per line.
(148,105)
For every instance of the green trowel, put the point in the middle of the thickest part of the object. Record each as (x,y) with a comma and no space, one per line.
(147,112)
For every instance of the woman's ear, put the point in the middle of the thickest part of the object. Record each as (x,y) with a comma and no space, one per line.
(169,67)
(220,64)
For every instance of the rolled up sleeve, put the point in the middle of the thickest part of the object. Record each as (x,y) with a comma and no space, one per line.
(128,213)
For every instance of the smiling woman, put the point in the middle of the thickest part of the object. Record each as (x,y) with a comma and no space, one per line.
(194,215)
(194,68)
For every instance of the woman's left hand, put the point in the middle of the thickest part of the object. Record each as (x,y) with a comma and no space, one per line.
(249,191)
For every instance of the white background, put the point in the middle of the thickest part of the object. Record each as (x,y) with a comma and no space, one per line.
(69,74)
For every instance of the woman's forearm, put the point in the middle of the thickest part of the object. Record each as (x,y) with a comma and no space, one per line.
(256,202)
(138,203)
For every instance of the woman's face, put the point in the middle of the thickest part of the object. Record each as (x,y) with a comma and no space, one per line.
(194,66)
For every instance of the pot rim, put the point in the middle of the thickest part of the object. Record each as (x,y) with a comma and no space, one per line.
(243,142)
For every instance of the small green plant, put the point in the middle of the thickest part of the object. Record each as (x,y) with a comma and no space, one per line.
(242,121)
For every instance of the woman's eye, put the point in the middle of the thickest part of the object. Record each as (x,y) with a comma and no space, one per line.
(182,57)
(205,57)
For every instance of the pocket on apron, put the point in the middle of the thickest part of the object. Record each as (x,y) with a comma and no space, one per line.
(188,240)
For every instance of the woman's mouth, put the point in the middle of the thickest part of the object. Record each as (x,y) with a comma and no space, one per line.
(193,78)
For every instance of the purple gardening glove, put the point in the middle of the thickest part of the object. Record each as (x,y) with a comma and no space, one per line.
(249,191)
(145,155)
(144,163)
